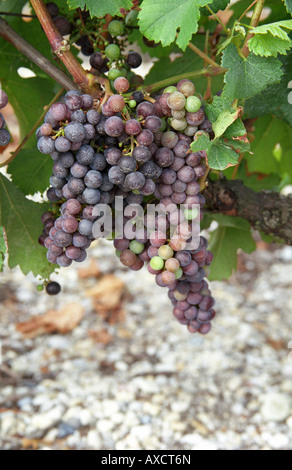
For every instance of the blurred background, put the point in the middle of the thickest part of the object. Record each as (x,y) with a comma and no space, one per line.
(104,365)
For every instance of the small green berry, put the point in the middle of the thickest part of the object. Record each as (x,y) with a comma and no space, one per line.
(112,52)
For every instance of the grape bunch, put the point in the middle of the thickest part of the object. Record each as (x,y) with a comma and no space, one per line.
(104,44)
(138,149)
(5,136)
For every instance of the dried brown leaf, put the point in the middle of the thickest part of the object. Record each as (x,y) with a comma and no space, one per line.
(54,321)
(92,270)
(101,336)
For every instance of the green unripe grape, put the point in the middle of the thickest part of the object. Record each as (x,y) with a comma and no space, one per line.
(178,114)
(124,110)
(112,52)
(191,214)
(135,191)
(179,124)
(116,28)
(157,263)
(163,125)
(176,101)
(136,247)
(132,103)
(123,72)
(193,104)
(118,253)
(131,18)
(178,273)
(170,89)
(114,73)
(165,252)
(190,131)
(40,288)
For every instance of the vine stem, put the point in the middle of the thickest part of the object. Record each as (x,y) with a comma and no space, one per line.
(247,10)
(176,78)
(34,128)
(203,55)
(254,22)
(217,18)
(59,46)
(35,56)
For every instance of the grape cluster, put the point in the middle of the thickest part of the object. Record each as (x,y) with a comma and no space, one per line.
(139,150)
(104,45)
(5,136)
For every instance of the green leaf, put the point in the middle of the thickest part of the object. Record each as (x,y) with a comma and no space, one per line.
(276,99)
(221,155)
(231,235)
(21,219)
(288,4)
(215,6)
(31,170)
(224,120)
(276,29)
(269,133)
(2,248)
(247,77)
(101,7)
(268,45)
(275,11)
(159,21)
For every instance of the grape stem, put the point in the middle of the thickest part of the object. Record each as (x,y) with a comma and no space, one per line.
(61,48)
(176,78)
(203,55)
(34,128)
(254,22)
(217,18)
(35,56)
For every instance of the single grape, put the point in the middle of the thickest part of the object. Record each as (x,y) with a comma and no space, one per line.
(132,127)
(114,126)
(164,157)
(145,137)
(193,104)
(135,180)
(116,28)
(145,109)
(93,179)
(141,154)
(157,263)
(85,155)
(165,252)
(63,25)
(136,247)
(121,84)
(116,175)
(93,117)
(3,99)
(116,103)
(112,52)
(74,131)
(134,60)
(176,101)
(186,87)
(53,288)
(5,138)
(91,196)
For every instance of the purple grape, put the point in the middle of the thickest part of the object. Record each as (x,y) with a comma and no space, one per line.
(153,123)
(145,109)
(145,137)
(116,175)
(85,155)
(141,154)
(91,196)
(78,171)
(69,224)
(76,186)
(164,157)
(93,117)
(99,162)
(114,126)
(45,144)
(135,180)
(127,164)
(74,131)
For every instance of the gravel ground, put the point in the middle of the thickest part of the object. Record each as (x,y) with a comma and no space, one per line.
(148,383)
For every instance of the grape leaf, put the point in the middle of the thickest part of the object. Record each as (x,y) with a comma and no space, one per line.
(249,76)
(215,6)
(271,132)
(288,4)
(12,5)
(220,153)
(225,242)
(268,45)
(159,21)
(101,7)
(276,98)
(21,219)
(30,171)
(276,29)
(2,248)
